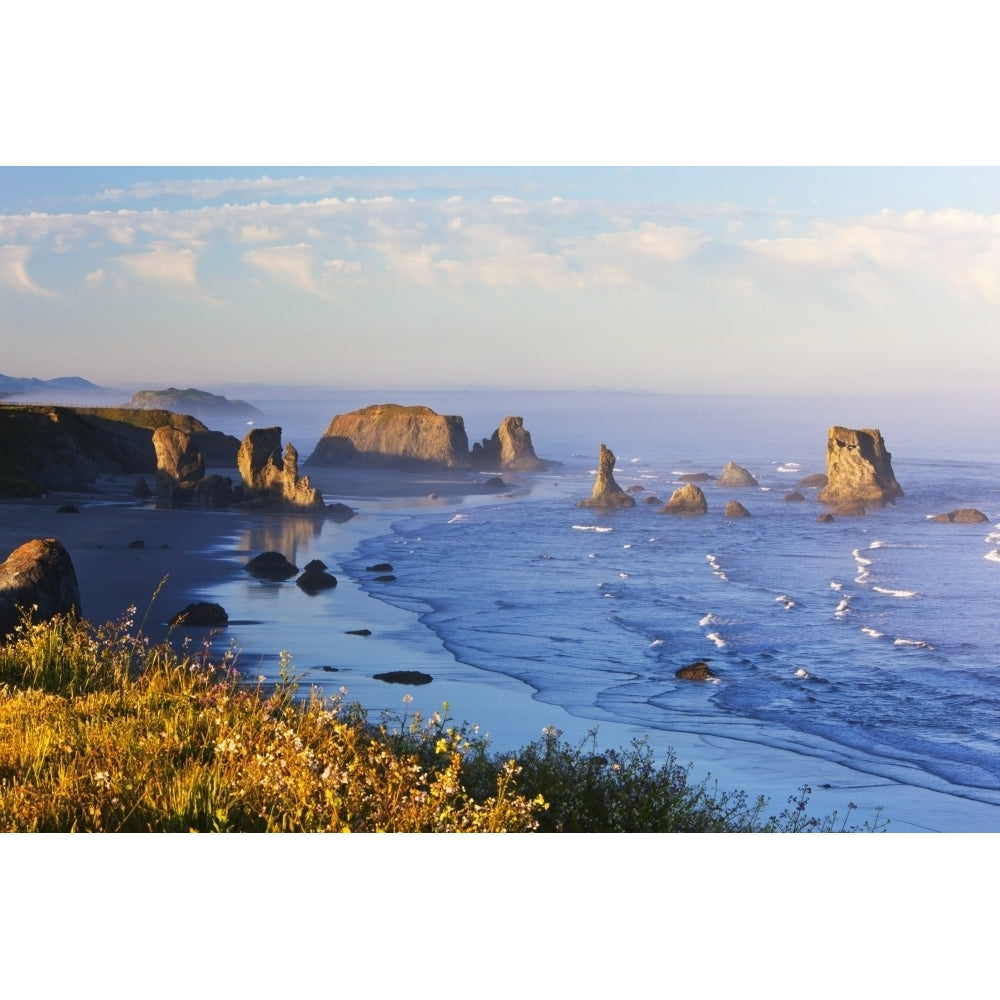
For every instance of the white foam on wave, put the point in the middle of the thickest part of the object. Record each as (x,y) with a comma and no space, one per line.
(877,544)
(844,608)
(836,586)
(458,517)
(993,556)
(873,632)
(624,576)
(627,545)
(916,643)
(710,619)
(860,559)
(717,639)
(786,600)
(656,642)
(765,489)
(895,593)
(790,467)
(803,674)
(862,577)
(993,537)
(592,527)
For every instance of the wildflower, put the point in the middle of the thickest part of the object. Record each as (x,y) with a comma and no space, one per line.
(407,698)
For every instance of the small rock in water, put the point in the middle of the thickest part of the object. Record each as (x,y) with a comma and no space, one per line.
(271,566)
(382,567)
(200,615)
(358,631)
(695,672)
(413,677)
(137,544)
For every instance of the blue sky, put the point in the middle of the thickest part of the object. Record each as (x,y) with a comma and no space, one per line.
(733,279)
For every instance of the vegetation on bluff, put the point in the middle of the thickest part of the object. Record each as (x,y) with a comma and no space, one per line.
(99,731)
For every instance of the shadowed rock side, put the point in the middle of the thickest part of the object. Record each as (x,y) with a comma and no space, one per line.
(967,515)
(734,475)
(858,469)
(510,447)
(180,473)
(607,493)
(39,578)
(270,479)
(689,499)
(394,436)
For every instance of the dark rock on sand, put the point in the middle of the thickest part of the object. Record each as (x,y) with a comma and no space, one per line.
(141,490)
(385,578)
(412,677)
(735,509)
(315,579)
(967,515)
(203,614)
(39,578)
(698,671)
(68,508)
(859,469)
(734,475)
(339,512)
(137,544)
(607,493)
(689,499)
(271,566)
(358,631)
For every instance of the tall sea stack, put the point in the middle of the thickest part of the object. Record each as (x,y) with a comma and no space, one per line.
(858,469)
(607,493)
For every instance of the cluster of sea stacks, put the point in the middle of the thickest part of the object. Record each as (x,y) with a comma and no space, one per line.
(858,475)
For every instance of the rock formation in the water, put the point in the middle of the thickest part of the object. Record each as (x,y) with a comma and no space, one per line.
(816,481)
(510,447)
(38,578)
(271,566)
(698,671)
(180,472)
(859,469)
(689,499)
(736,475)
(607,493)
(270,479)
(794,497)
(735,509)
(389,435)
(966,515)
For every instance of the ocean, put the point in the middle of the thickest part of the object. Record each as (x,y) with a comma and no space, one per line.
(859,657)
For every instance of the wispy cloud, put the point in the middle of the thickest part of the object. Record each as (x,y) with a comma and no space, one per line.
(14,271)
(164,266)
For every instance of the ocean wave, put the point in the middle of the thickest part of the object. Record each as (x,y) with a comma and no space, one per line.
(627,545)
(860,559)
(710,619)
(836,586)
(843,608)
(862,577)
(786,600)
(993,556)
(802,674)
(790,467)
(916,643)
(656,642)
(458,517)
(873,632)
(591,527)
(877,544)
(895,593)
(717,639)
(993,536)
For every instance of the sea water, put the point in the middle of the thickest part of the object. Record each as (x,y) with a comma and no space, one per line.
(864,647)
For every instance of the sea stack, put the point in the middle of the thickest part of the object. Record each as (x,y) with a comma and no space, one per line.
(607,493)
(270,478)
(858,469)
(689,499)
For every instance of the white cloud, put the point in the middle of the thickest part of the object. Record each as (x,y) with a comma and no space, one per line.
(14,272)
(289,265)
(164,266)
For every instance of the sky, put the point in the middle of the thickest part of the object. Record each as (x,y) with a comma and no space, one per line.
(725,279)
(703,267)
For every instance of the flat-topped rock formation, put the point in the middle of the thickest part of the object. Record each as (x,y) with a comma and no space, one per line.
(734,475)
(194,402)
(607,493)
(689,499)
(271,479)
(966,515)
(393,436)
(858,469)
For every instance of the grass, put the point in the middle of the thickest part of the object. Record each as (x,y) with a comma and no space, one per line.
(99,731)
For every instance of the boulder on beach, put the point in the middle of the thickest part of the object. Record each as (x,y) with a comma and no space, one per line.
(858,469)
(38,579)
(201,614)
(607,493)
(271,566)
(689,499)
(315,578)
(411,677)
(966,515)
(734,475)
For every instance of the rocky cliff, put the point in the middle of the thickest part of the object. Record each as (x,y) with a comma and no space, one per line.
(509,448)
(858,469)
(270,478)
(607,492)
(394,436)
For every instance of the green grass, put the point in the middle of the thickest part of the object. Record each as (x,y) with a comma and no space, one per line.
(99,731)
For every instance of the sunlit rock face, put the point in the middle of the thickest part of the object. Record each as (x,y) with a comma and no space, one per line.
(390,435)
(689,499)
(734,475)
(270,478)
(607,492)
(858,469)
(37,578)
(510,447)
